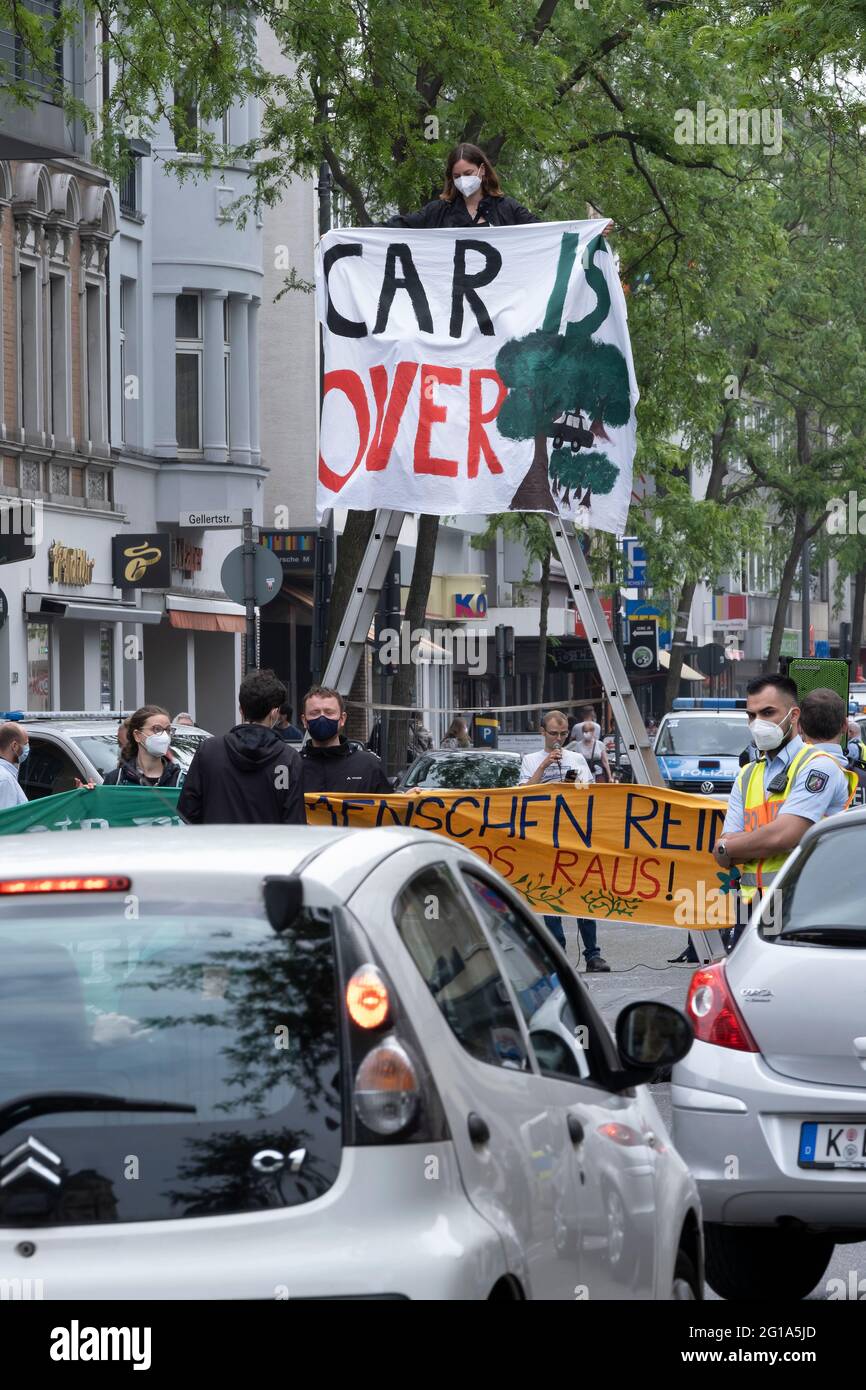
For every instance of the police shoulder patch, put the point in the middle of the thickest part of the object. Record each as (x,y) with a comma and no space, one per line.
(816,781)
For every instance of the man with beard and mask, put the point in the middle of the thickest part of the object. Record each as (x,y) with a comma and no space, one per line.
(250,776)
(792,784)
(14,750)
(330,762)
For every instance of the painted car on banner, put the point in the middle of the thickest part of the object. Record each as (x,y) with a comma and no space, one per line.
(340,1063)
(698,745)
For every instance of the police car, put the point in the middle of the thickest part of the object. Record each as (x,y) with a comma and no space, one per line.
(698,745)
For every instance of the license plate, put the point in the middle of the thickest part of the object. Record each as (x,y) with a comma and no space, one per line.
(832,1146)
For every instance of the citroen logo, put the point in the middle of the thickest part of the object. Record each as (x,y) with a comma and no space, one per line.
(31,1157)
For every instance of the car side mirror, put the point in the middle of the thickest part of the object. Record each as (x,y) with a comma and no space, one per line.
(650,1035)
(284,900)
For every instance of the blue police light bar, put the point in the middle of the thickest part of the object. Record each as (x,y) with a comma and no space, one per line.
(709,704)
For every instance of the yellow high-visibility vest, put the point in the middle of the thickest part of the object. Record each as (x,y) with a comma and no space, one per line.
(762,808)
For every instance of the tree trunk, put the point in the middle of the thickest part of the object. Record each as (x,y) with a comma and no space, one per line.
(350,553)
(857,619)
(598,428)
(534,494)
(544,607)
(403,685)
(718,469)
(678,641)
(786,584)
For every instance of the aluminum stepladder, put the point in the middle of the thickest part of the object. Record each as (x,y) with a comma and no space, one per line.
(355,623)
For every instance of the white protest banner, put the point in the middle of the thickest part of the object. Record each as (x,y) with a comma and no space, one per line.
(480,369)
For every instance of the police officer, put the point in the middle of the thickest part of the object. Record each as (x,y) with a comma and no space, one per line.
(796,781)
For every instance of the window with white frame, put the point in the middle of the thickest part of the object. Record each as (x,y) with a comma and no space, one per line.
(189,349)
(57,400)
(227,367)
(28,346)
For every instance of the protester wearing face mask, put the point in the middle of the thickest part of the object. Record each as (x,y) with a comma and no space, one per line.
(794,783)
(470,197)
(585,740)
(330,763)
(249,776)
(14,750)
(143,754)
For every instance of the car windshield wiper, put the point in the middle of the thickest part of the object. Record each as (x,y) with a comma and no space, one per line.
(832,935)
(27,1107)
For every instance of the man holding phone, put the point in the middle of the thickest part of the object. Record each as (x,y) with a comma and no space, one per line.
(554,763)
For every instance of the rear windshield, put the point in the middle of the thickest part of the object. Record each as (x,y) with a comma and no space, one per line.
(806,911)
(465,772)
(705,738)
(195,1003)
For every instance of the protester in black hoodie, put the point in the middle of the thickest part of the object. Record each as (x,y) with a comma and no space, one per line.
(144,760)
(330,762)
(250,776)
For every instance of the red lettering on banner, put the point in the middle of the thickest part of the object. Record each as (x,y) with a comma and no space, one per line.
(483,849)
(506,866)
(615,887)
(430,414)
(388,416)
(478,441)
(656,886)
(564,856)
(595,868)
(350,384)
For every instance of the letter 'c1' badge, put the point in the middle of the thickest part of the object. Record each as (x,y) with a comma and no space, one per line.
(817,781)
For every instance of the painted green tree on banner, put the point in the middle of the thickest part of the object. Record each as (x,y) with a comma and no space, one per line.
(554,379)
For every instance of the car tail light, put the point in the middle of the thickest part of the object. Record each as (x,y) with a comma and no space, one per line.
(367,998)
(713,1012)
(387,1088)
(90,884)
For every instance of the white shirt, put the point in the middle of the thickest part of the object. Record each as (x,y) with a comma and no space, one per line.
(555,772)
(10,792)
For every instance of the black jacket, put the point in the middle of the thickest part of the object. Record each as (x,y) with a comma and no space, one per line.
(497,211)
(128,774)
(235,780)
(342,767)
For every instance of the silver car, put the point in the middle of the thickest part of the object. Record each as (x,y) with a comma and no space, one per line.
(299,1062)
(69,749)
(769,1107)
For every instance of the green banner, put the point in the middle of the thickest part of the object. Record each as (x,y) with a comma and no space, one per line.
(101,808)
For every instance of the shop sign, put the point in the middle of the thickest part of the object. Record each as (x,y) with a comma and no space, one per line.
(142,561)
(295,550)
(69,565)
(186,557)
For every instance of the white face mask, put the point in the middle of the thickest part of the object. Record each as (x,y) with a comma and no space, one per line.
(157,744)
(766,735)
(468,184)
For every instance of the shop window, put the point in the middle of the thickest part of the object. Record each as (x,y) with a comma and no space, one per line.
(38,669)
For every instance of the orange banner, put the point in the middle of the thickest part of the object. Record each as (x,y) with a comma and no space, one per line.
(628,853)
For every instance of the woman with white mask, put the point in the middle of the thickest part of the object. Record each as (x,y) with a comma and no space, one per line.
(470,197)
(144,758)
(585,740)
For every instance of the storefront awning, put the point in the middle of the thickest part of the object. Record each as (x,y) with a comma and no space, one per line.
(86,610)
(206,622)
(204,615)
(302,596)
(688,673)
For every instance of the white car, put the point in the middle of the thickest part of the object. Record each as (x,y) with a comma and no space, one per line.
(769,1107)
(277,1062)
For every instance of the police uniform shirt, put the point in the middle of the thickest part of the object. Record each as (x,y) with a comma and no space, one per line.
(819,789)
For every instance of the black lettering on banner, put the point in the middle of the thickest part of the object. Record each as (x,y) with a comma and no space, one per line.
(464,285)
(409,281)
(562,808)
(347,328)
(633,819)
